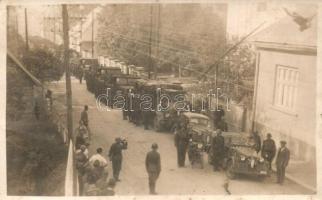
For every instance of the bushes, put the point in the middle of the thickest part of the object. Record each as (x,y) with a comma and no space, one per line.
(43,64)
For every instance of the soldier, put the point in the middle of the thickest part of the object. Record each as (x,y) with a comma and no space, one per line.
(115,155)
(181,142)
(282,159)
(269,150)
(153,167)
(218,148)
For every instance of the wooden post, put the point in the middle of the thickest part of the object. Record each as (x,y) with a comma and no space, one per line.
(68,89)
(150,42)
(26,29)
(92,34)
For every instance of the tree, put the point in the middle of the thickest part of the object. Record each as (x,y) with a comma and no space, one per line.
(43,64)
(188,33)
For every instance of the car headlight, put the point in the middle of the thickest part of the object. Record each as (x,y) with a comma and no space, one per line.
(200,146)
(261,160)
(242,158)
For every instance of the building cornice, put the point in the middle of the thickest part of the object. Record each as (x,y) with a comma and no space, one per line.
(285,47)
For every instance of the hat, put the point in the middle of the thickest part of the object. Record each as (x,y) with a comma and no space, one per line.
(154,146)
(269,135)
(283,142)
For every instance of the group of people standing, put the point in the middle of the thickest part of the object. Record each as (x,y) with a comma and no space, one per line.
(267,151)
(93,171)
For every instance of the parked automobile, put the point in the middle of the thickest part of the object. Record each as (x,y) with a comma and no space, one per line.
(200,132)
(241,157)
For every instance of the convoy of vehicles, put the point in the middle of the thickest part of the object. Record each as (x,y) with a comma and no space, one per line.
(240,156)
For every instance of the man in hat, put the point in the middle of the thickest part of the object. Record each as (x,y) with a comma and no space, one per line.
(84,116)
(115,155)
(153,167)
(181,140)
(218,149)
(282,159)
(269,150)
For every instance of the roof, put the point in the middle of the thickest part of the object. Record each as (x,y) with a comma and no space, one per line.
(197,115)
(286,32)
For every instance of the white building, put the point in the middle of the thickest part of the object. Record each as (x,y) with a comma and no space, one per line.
(245,16)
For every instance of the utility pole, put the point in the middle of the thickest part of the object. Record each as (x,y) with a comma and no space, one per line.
(68,89)
(158,24)
(93,34)
(26,29)
(150,41)
(54,20)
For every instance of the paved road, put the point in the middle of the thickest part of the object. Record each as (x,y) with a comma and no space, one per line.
(106,125)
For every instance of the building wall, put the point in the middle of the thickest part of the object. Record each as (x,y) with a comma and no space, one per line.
(244,16)
(297,128)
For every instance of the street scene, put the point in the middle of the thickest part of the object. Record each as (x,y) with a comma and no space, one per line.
(161,99)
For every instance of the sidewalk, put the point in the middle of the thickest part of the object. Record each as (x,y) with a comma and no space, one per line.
(302,173)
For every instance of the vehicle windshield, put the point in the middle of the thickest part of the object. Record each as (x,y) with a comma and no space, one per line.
(199,121)
(124,81)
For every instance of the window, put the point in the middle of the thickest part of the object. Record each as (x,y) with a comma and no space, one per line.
(286,87)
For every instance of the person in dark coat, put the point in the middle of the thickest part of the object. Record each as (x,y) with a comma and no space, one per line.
(282,159)
(222,125)
(153,167)
(115,155)
(269,150)
(218,148)
(181,142)
(257,141)
(84,116)
(218,114)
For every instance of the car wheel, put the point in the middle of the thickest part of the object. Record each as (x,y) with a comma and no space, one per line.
(229,171)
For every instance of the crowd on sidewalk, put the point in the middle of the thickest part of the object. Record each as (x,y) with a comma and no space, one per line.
(92,171)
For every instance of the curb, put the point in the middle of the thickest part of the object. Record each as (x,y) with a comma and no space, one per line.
(297,181)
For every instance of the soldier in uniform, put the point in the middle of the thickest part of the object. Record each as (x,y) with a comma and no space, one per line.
(218,148)
(181,142)
(115,155)
(269,150)
(282,159)
(153,167)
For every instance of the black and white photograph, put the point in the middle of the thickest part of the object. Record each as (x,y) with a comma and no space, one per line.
(161,98)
